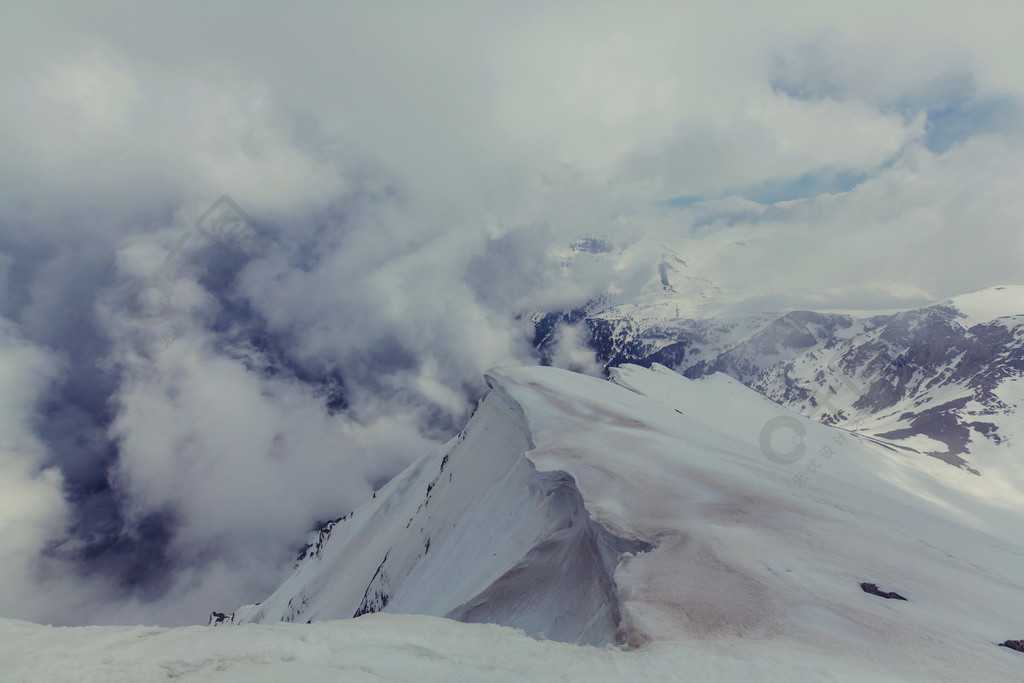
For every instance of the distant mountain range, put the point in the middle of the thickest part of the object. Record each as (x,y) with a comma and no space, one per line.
(945,380)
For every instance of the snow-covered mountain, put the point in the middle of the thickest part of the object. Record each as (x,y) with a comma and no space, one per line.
(472,532)
(649,509)
(946,380)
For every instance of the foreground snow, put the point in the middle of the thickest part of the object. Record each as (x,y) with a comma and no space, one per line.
(384,647)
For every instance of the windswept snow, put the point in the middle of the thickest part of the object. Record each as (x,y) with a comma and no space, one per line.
(743,550)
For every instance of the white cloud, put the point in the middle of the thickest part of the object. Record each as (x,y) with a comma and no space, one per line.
(32,509)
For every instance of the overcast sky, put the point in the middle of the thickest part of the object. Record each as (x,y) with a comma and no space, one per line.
(175,412)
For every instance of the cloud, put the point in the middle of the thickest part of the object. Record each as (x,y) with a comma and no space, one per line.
(933,224)
(777,138)
(413,178)
(32,507)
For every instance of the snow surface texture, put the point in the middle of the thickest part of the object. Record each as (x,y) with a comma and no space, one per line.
(641,511)
(537,514)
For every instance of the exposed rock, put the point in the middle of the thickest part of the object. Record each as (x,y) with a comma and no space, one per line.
(875,590)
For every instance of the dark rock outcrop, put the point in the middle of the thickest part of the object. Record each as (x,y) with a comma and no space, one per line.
(873,589)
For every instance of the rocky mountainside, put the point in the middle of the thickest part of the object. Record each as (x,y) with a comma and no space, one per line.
(946,380)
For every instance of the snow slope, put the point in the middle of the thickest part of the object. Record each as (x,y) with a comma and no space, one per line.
(471,531)
(989,304)
(538,515)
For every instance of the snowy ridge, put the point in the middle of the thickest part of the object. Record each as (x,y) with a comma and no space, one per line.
(472,532)
(643,510)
